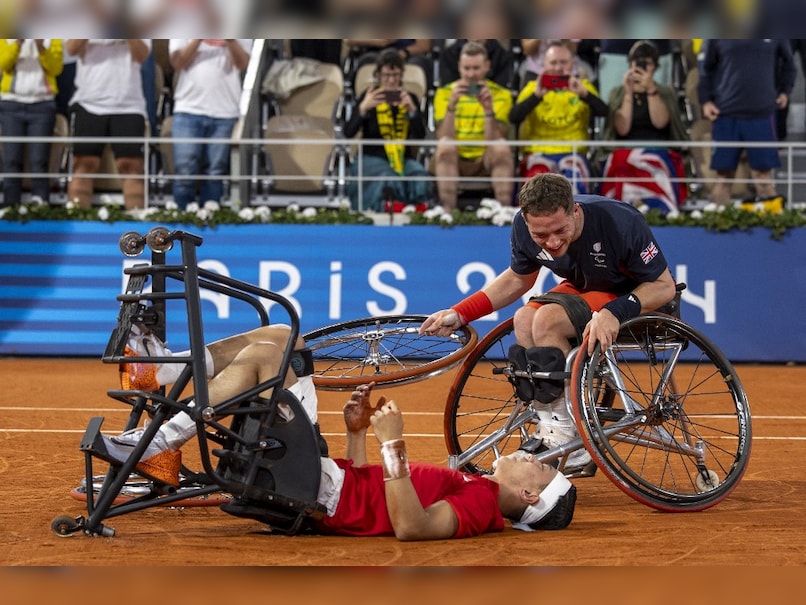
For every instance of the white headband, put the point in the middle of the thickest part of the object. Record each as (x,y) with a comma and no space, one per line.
(555,490)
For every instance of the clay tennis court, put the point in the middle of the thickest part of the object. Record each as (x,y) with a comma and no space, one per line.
(45,405)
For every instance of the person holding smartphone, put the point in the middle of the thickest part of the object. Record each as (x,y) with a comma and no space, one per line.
(387,111)
(641,109)
(554,112)
(473,110)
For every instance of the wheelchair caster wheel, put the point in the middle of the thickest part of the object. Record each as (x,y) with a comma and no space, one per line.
(65,526)
(158,239)
(704,484)
(132,243)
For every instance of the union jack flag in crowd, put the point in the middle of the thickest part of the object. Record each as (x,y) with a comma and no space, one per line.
(648,253)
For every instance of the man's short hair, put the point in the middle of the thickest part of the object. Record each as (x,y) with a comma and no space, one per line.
(546,193)
(554,509)
(472,48)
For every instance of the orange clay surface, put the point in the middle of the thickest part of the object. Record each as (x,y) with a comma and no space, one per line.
(45,405)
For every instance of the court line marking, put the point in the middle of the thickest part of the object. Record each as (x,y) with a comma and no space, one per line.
(424,435)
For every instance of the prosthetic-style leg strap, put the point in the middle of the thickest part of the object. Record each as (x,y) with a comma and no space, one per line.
(302,362)
(537,359)
(575,307)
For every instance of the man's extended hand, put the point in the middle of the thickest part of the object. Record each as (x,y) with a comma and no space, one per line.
(358,410)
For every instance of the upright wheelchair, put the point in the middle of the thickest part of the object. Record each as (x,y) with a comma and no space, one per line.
(258,460)
(661,411)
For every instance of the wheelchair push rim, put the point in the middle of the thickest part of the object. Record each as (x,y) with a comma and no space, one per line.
(387,350)
(663,414)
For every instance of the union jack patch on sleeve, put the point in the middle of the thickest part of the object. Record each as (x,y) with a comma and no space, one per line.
(648,253)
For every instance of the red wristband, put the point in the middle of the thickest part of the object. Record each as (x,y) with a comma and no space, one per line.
(474,306)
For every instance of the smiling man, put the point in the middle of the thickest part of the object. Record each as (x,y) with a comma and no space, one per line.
(612,270)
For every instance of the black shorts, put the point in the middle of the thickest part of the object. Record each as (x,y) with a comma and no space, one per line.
(86,124)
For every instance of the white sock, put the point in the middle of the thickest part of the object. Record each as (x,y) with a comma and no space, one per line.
(179,430)
(168,373)
(555,416)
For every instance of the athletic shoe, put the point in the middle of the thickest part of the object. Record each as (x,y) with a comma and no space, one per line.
(141,375)
(555,436)
(157,461)
(770,205)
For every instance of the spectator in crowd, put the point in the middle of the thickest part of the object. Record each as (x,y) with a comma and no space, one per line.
(641,109)
(470,109)
(206,106)
(534,50)
(108,102)
(557,106)
(411,501)
(740,94)
(387,111)
(500,68)
(411,50)
(28,109)
(613,53)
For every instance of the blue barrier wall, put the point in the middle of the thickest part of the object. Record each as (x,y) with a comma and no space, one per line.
(58,280)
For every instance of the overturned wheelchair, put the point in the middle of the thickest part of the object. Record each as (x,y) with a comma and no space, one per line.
(259,455)
(661,411)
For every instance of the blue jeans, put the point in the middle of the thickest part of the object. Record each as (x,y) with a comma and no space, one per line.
(408,192)
(191,159)
(21,120)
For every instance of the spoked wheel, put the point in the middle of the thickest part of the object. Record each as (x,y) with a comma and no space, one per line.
(480,402)
(663,414)
(388,350)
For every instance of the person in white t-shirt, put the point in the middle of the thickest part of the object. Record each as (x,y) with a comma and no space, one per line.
(206,106)
(108,102)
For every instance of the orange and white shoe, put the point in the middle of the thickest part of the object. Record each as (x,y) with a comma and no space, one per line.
(157,462)
(142,375)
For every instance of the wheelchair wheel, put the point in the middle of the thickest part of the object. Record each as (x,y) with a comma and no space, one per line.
(663,414)
(387,350)
(479,404)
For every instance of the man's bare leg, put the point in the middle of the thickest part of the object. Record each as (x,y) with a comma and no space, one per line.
(501,164)
(80,187)
(720,192)
(446,169)
(762,179)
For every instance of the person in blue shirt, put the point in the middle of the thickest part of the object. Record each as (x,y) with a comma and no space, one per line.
(612,269)
(743,83)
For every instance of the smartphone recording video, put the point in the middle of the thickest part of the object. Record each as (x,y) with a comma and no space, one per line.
(554,81)
(391,96)
(473,89)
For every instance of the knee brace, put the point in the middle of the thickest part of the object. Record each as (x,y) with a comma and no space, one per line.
(537,359)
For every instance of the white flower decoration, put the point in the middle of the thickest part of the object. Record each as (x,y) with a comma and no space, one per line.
(696,214)
(192,207)
(309,212)
(446,218)
(103,213)
(246,214)
(293,208)
(212,206)
(710,207)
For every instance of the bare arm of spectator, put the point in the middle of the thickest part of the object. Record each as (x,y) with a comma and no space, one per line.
(240,57)
(76,46)
(181,58)
(138,49)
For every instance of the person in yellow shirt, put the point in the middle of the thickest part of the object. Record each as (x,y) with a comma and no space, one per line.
(28,108)
(554,108)
(473,109)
